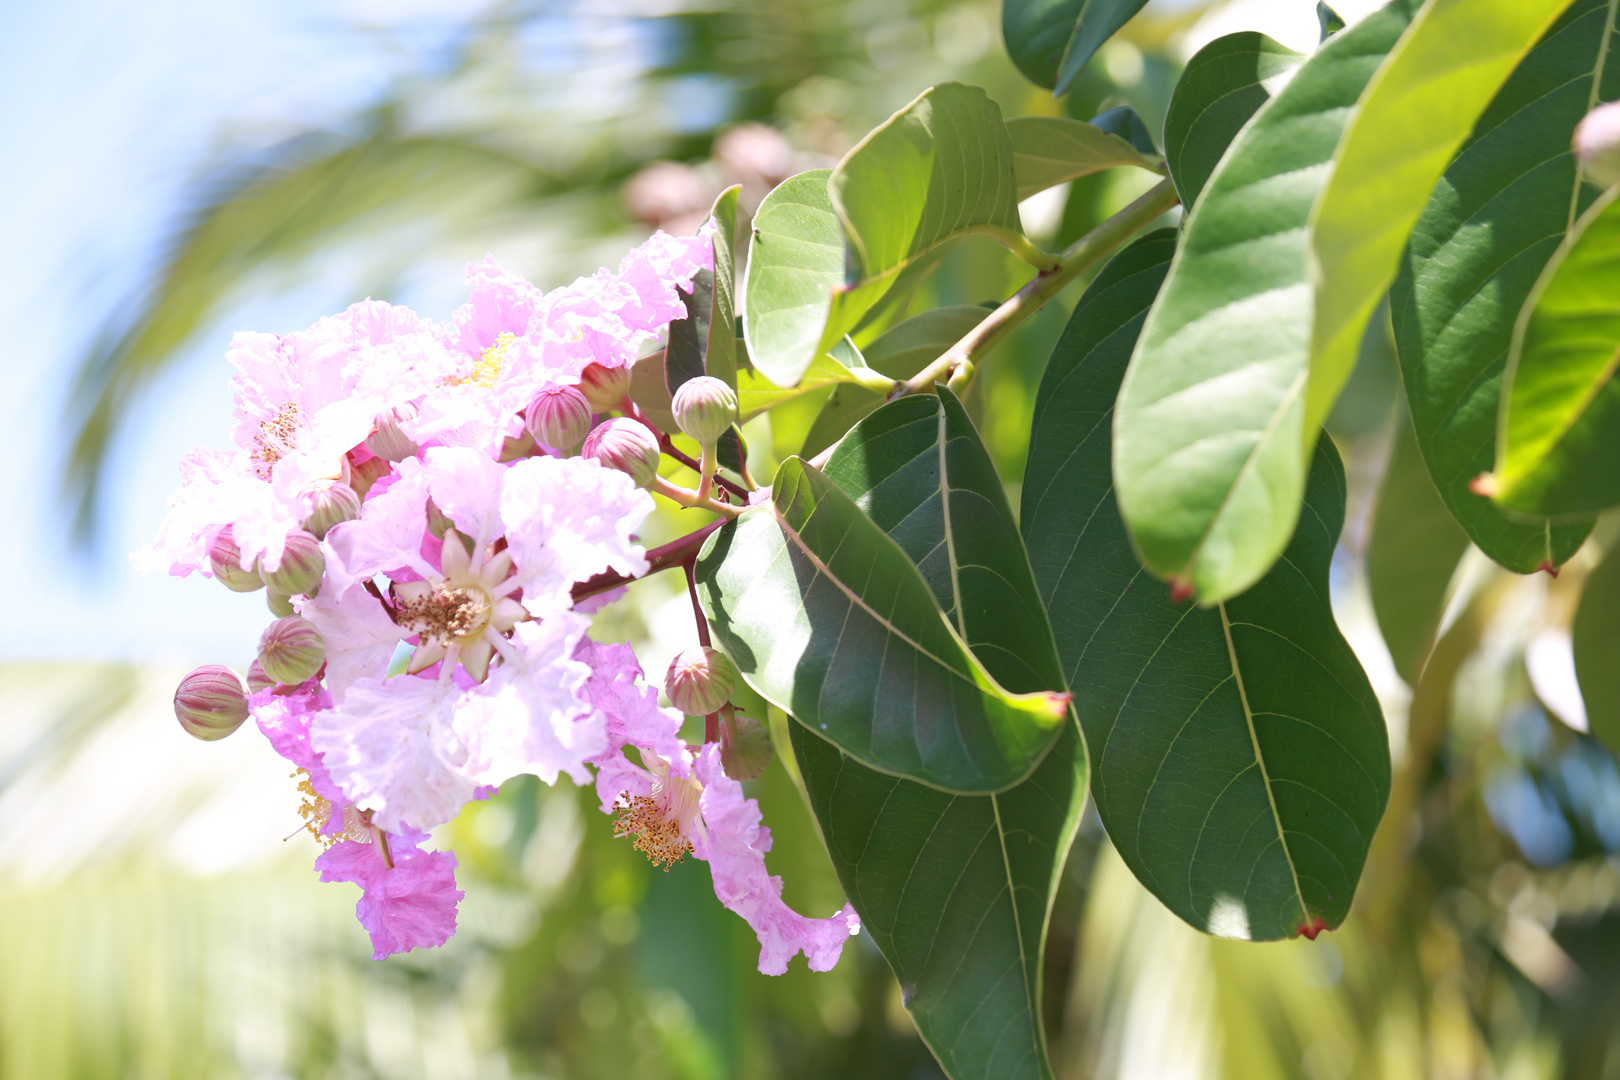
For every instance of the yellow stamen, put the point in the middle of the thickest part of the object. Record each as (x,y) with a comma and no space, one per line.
(277,438)
(487,369)
(657,833)
(317,811)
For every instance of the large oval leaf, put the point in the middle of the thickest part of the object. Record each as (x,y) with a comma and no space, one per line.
(1049,150)
(1597,636)
(1412,553)
(1239,757)
(1558,440)
(954,889)
(1051,40)
(795,261)
(705,342)
(1491,224)
(827,618)
(1211,445)
(1223,85)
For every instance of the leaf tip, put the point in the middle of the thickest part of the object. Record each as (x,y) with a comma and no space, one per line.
(1311,927)
(1057,705)
(1548,566)
(1485,484)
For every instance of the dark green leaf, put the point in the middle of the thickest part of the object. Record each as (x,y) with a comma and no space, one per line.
(1124,122)
(827,618)
(1049,150)
(1597,640)
(1328,21)
(1411,555)
(1558,440)
(1222,87)
(1493,222)
(955,890)
(1051,40)
(1240,759)
(705,342)
(1211,444)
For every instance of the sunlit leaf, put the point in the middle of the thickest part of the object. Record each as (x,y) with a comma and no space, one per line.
(705,342)
(1048,150)
(1051,40)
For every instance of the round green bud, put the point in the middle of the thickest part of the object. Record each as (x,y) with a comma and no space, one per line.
(705,408)
(332,503)
(559,417)
(256,678)
(226,560)
(745,746)
(291,650)
(280,604)
(211,702)
(626,445)
(302,565)
(700,680)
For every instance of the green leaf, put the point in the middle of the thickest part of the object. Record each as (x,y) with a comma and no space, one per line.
(1212,444)
(1240,762)
(1051,40)
(795,261)
(1049,150)
(899,353)
(1415,114)
(842,364)
(1223,85)
(827,619)
(649,389)
(1597,638)
(1412,553)
(1328,21)
(705,342)
(1492,223)
(1559,432)
(955,890)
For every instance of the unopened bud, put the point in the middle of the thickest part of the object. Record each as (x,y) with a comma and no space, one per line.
(389,441)
(211,702)
(626,445)
(280,604)
(302,565)
(334,503)
(559,417)
(256,678)
(700,680)
(291,650)
(705,408)
(604,387)
(745,746)
(1597,144)
(226,559)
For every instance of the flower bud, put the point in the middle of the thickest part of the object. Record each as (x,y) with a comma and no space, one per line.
(1597,144)
(745,746)
(604,387)
(256,678)
(705,408)
(625,445)
(334,503)
(280,604)
(700,680)
(389,441)
(291,650)
(226,559)
(302,565)
(559,417)
(210,702)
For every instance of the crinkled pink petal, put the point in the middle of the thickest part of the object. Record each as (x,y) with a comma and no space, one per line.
(409,906)
(631,718)
(734,842)
(530,716)
(217,489)
(387,534)
(502,302)
(466,487)
(359,635)
(568,519)
(284,719)
(389,744)
(656,269)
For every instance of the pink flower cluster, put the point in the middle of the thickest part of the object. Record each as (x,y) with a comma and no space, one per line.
(454,658)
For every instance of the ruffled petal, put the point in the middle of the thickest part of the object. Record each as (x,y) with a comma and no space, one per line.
(631,717)
(409,906)
(568,519)
(360,637)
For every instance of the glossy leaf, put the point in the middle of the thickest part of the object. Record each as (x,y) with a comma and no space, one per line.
(899,352)
(1597,639)
(1240,762)
(842,364)
(1211,444)
(1491,224)
(795,261)
(1412,553)
(1049,150)
(705,342)
(827,618)
(954,889)
(1223,85)
(1558,438)
(1413,117)
(1051,40)
(1124,122)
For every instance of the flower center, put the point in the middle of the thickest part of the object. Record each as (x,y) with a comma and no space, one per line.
(447,614)
(276,439)
(317,811)
(659,822)
(487,369)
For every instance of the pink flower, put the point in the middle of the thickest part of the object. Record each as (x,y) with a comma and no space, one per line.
(411,905)
(631,717)
(359,635)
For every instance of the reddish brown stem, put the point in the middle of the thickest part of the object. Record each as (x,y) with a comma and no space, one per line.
(711,723)
(673,554)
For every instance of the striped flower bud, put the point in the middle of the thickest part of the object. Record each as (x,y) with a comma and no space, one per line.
(211,702)
(226,559)
(389,441)
(625,445)
(333,503)
(291,650)
(256,678)
(559,417)
(705,408)
(1597,143)
(745,746)
(604,387)
(302,565)
(700,680)
(280,604)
